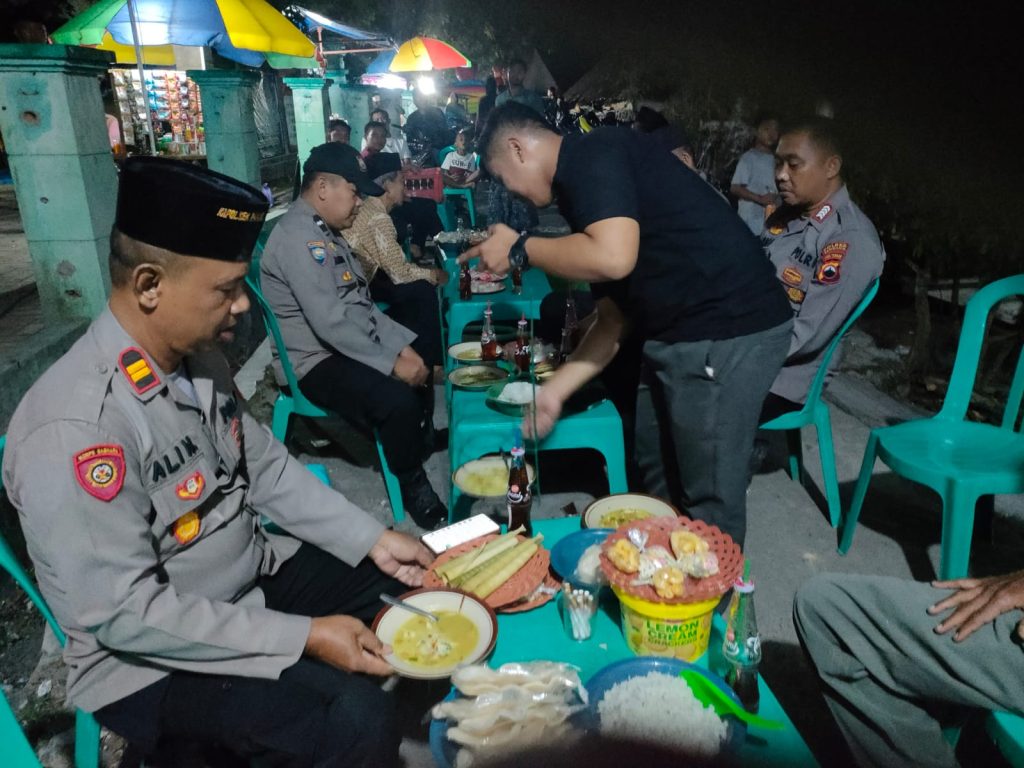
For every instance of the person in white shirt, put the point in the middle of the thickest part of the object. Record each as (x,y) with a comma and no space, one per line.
(753,183)
(395,136)
(461,168)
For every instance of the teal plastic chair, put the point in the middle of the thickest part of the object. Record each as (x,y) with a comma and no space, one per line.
(14,747)
(816,412)
(444,211)
(1007,731)
(295,403)
(958,459)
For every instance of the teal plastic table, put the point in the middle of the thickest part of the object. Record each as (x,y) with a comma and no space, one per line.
(538,634)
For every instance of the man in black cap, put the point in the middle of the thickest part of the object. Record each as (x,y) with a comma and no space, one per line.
(140,480)
(349,356)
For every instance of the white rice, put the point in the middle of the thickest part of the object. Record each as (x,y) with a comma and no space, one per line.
(517,393)
(661,709)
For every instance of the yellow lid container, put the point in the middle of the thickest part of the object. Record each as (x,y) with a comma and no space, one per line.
(679,631)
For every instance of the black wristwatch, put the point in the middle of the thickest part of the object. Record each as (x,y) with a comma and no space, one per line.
(517,257)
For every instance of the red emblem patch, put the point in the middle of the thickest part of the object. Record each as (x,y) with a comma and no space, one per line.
(100,470)
(831,261)
(191,488)
(236,431)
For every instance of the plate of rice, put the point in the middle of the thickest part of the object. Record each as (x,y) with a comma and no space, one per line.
(644,699)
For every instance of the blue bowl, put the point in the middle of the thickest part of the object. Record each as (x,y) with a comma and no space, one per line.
(606,677)
(569,549)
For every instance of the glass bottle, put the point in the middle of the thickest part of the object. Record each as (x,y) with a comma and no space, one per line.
(488,338)
(742,645)
(465,282)
(522,350)
(519,499)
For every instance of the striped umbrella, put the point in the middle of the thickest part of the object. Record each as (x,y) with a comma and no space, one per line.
(425,54)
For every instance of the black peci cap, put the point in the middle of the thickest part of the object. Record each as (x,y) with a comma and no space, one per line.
(342,160)
(382,164)
(189,210)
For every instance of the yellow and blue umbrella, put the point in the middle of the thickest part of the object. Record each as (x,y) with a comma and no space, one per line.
(246,31)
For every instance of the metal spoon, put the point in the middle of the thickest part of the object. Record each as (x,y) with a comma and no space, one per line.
(402,604)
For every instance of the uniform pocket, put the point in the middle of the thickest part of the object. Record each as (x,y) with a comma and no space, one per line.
(184,505)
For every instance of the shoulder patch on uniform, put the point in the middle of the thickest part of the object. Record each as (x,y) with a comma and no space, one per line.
(317,250)
(187,527)
(824,212)
(191,488)
(138,371)
(100,470)
(792,276)
(831,262)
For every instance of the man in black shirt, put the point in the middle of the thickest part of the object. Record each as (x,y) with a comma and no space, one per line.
(670,262)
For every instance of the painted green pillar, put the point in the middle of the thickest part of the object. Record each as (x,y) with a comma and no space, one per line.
(232,146)
(309,95)
(352,102)
(51,116)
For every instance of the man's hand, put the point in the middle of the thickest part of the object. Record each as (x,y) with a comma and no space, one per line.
(402,557)
(493,251)
(346,643)
(409,368)
(440,277)
(976,602)
(548,408)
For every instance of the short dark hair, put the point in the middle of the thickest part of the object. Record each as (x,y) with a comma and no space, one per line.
(127,253)
(509,116)
(337,122)
(822,132)
(764,117)
(517,63)
(374,124)
(381,111)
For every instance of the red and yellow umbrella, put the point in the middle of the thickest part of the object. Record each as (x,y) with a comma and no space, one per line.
(425,54)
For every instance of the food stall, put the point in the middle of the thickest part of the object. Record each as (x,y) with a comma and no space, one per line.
(173,100)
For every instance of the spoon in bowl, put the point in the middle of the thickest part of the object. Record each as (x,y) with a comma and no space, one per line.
(411,608)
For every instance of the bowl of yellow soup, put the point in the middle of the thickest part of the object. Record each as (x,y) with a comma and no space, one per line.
(464,633)
(623,508)
(485,478)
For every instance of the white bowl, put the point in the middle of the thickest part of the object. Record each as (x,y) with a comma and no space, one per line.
(656,507)
(392,618)
(485,464)
(466,352)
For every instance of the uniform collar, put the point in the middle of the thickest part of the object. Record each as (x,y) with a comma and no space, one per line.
(827,210)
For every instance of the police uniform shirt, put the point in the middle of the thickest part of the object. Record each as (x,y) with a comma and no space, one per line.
(321,299)
(825,261)
(141,509)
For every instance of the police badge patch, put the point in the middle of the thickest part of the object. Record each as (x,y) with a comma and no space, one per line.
(100,471)
(831,261)
(317,250)
(191,488)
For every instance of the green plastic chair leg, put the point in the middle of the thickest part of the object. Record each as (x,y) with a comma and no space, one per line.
(284,406)
(823,424)
(957,531)
(796,455)
(391,483)
(17,752)
(445,216)
(87,740)
(849,523)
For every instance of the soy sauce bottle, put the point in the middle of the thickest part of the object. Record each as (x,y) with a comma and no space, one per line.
(519,499)
(488,338)
(523,351)
(465,282)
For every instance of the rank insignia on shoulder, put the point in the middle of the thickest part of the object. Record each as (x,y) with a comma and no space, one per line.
(796,295)
(100,470)
(824,212)
(792,276)
(187,527)
(317,250)
(138,370)
(191,488)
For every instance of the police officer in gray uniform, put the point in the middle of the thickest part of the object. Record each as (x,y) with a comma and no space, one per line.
(140,479)
(825,251)
(350,357)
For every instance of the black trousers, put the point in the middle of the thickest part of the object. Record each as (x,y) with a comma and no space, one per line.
(401,414)
(313,715)
(415,306)
(422,215)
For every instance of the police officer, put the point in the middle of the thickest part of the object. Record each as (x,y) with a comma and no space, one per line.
(349,356)
(140,479)
(825,251)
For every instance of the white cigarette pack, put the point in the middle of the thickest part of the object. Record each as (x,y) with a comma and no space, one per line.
(452,535)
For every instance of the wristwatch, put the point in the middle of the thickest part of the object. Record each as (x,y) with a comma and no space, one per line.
(517,258)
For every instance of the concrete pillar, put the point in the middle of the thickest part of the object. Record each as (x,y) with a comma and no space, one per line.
(352,102)
(51,116)
(309,95)
(232,146)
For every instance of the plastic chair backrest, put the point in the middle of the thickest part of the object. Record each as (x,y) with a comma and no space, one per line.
(443,153)
(270,323)
(968,352)
(819,379)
